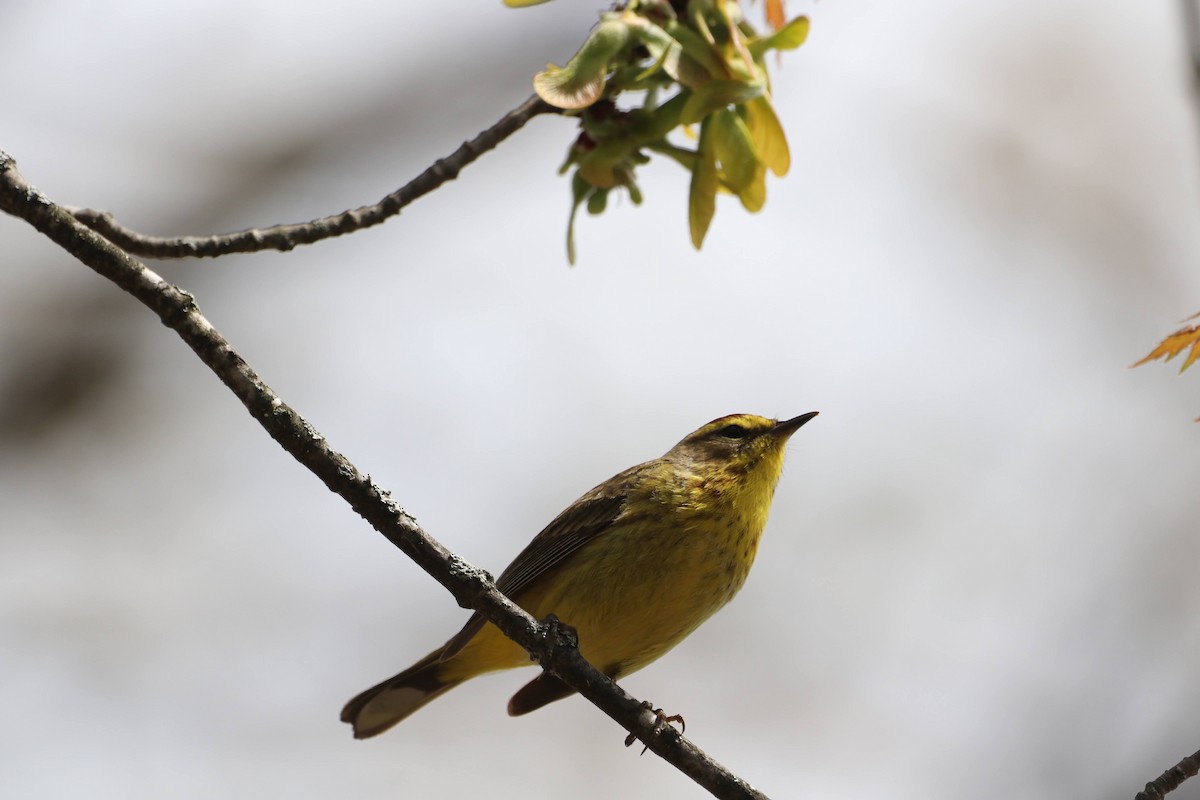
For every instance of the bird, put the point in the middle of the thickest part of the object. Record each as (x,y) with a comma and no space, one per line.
(634,566)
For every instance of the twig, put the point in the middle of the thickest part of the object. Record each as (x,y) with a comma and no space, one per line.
(287,237)
(471,587)
(1170,780)
(1191,31)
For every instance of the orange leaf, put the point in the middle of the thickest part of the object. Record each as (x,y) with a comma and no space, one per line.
(1182,339)
(776,15)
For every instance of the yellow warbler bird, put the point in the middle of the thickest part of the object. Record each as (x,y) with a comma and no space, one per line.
(634,565)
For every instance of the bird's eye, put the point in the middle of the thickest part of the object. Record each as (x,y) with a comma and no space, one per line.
(733,432)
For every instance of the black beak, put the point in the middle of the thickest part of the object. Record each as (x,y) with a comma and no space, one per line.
(789,426)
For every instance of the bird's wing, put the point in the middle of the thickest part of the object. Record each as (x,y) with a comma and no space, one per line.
(581,522)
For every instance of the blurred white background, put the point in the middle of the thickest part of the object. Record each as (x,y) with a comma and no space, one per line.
(979,579)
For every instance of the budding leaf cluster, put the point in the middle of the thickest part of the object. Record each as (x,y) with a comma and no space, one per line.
(696,65)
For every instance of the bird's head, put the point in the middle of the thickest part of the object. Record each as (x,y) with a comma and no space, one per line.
(739,444)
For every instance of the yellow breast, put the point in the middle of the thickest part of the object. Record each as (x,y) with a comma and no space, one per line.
(679,551)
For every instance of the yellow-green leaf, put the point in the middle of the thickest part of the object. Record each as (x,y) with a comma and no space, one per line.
(596,166)
(789,37)
(658,43)
(730,14)
(681,156)
(580,191)
(563,89)
(635,191)
(702,196)
(767,134)
(696,48)
(733,149)
(714,95)
(651,125)
(686,70)
(754,195)
(597,202)
(581,81)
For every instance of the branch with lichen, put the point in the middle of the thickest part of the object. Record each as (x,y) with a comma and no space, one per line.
(693,66)
(548,642)
(1172,779)
(289,236)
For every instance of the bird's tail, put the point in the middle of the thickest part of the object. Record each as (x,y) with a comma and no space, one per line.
(374,711)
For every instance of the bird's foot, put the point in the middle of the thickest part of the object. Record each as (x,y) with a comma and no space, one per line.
(661,719)
(559,634)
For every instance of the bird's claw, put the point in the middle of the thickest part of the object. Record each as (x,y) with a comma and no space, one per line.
(661,720)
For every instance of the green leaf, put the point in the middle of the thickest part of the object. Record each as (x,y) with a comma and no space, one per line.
(714,95)
(789,37)
(702,196)
(650,125)
(754,195)
(767,134)
(696,48)
(580,190)
(685,70)
(581,82)
(597,202)
(658,43)
(635,192)
(680,155)
(733,149)
(626,178)
(597,165)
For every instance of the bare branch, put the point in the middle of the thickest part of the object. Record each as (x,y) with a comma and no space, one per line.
(1191,30)
(289,236)
(1171,780)
(550,644)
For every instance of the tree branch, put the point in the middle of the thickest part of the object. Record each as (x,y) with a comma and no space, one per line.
(1170,780)
(1191,31)
(553,647)
(287,237)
